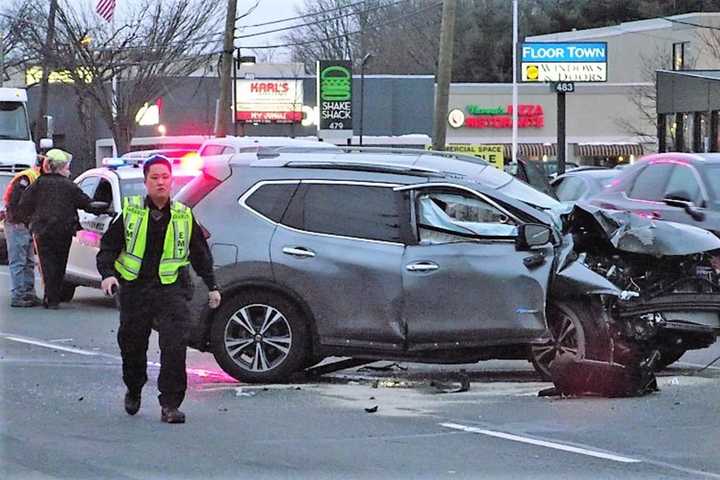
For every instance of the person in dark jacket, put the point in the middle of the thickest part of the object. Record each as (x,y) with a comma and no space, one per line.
(146,252)
(51,205)
(19,240)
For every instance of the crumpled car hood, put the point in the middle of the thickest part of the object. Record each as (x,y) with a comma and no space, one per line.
(636,234)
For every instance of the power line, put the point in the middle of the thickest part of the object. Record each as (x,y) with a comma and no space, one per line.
(300,25)
(393,20)
(283,20)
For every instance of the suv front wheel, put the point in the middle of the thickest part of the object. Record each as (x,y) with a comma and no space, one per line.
(260,337)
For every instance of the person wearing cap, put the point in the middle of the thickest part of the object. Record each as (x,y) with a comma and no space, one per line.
(146,253)
(19,239)
(50,204)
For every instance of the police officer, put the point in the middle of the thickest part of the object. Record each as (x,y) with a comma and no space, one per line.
(145,253)
(51,205)
(19,240)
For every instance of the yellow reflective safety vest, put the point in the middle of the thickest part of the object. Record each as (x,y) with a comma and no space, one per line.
(176,247)
(32,174)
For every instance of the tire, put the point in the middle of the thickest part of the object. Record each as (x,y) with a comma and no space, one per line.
(243,324)
(67,292)
(668,356)
(573,329)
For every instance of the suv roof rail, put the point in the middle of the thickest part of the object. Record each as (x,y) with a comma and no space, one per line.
(364,166)
(412,151)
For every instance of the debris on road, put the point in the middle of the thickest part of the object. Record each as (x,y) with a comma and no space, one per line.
(382,368)
(573,377)
(372,409)
(239,392)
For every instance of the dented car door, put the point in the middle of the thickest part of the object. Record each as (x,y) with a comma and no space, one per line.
(465,283)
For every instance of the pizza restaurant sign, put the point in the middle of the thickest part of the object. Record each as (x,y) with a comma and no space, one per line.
(475,116)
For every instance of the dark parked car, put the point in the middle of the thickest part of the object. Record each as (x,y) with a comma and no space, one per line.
(582,183)
(679,187)
(376,255)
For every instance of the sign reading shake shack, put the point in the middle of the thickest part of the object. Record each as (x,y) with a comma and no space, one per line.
(334,93)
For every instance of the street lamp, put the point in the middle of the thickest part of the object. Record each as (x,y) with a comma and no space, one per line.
(362,92)
(239,61)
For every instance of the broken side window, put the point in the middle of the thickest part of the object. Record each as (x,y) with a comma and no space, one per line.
(446,217)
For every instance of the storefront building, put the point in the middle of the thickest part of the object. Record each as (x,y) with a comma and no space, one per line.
(606,123)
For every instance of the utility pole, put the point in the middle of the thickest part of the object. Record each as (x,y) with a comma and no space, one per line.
(2,59)
(226,70)
(442,93)
(49,46)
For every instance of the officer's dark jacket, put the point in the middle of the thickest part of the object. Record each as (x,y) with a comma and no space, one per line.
(51,203)
(113,242)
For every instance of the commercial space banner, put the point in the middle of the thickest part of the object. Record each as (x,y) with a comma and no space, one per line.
(334,93)
(493,154)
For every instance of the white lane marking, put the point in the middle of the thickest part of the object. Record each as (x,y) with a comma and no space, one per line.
(7,274)
(542,443)
(200,372)
(40,343)
(697,365)
(60,340)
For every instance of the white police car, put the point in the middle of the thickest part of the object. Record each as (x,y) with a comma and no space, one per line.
(117,179)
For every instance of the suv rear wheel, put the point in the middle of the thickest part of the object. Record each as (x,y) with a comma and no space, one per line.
(259,336)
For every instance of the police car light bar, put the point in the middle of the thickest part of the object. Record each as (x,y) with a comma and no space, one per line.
(112,162)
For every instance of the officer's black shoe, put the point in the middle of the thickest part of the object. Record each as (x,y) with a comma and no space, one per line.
(132,403)
(172,415)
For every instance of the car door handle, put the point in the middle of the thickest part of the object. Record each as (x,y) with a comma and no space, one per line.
(421,267)
(298,252)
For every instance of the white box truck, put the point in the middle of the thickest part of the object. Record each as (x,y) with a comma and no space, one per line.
(17,149)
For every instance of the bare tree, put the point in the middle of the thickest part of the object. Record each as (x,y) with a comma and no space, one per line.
(401,35)
(14,18)
(158,43)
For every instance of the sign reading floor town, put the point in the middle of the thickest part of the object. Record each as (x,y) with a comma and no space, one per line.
(334,93)
(564,62)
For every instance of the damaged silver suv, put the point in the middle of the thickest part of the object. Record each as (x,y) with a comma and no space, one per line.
(433,257)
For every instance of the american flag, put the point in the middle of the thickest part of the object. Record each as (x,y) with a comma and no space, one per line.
(105,8)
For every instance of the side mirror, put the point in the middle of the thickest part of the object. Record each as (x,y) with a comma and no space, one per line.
(103,207)
(682,200)
(532,235)
(46,143)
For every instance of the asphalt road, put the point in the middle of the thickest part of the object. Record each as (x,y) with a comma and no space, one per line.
(61,416)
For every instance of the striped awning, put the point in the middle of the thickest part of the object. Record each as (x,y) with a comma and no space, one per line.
(608,149)
(532,150)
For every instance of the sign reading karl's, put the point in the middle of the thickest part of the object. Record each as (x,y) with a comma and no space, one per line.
(334,94)
(269,101)
(564,62)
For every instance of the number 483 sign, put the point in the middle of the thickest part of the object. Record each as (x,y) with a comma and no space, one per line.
(563,87)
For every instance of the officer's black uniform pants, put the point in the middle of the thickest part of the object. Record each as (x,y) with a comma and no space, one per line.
(53,249)
(164,308)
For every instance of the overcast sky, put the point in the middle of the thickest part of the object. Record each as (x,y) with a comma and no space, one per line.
(267,10)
